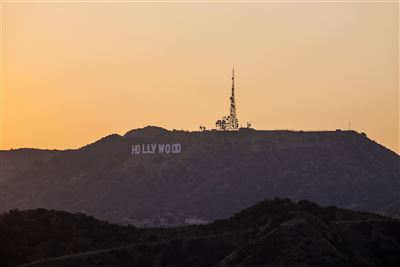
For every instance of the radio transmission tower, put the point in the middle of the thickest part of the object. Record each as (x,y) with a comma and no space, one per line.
(230,123)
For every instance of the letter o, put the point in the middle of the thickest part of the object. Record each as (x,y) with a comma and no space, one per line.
(167,148)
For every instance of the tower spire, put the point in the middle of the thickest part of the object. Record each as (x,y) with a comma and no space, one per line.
(233,124)
(233,85)
(230,122)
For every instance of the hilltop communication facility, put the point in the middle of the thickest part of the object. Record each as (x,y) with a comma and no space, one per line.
(230,122)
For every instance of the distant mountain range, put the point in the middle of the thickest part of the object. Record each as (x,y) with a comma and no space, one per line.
(272,233)
(215,175)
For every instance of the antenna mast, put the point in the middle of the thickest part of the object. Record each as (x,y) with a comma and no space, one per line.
(233,124)
(230,123)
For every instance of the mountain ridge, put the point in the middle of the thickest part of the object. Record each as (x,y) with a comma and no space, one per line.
(231,170)
(275,232)
(156,129)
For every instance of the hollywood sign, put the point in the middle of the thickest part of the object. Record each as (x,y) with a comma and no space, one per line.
(156,149)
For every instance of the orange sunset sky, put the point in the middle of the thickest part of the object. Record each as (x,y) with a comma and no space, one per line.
(75,72)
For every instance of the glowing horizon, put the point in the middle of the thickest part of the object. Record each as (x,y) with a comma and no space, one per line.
(76,72)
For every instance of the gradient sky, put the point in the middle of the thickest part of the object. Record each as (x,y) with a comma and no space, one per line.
(75,72)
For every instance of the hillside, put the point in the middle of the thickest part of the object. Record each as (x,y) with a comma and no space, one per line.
(215,175)
(272,233)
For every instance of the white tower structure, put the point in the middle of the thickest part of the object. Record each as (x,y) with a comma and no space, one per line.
(230,123)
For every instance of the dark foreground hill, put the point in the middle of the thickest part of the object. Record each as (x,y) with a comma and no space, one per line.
(272,233)
(215,175)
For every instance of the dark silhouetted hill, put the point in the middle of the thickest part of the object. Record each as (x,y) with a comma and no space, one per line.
(215,175)
(272,233)
(34,234)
